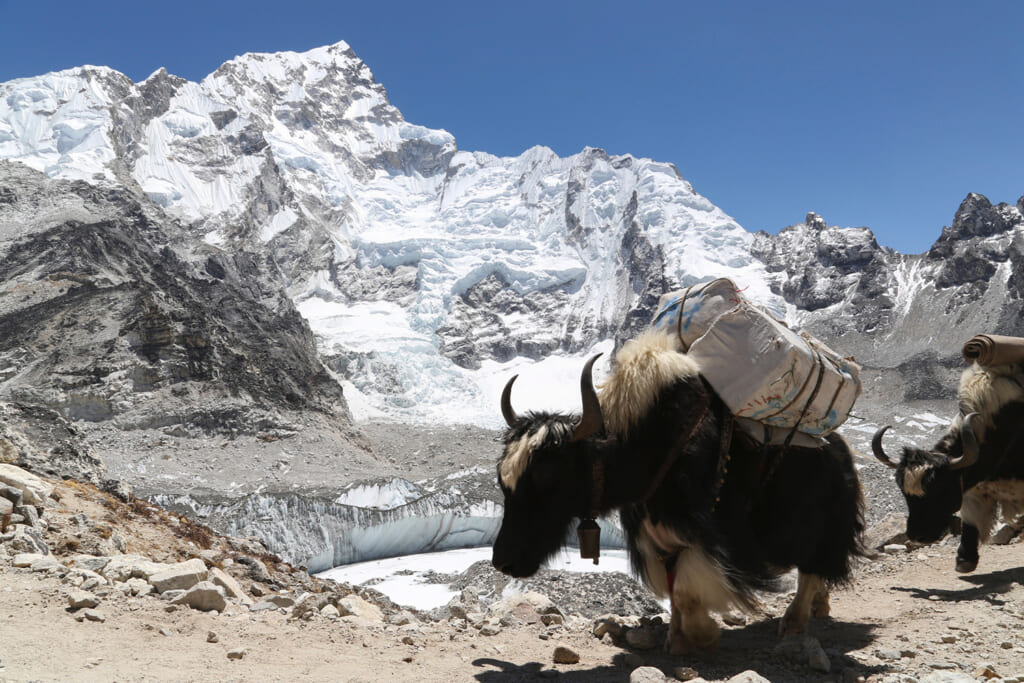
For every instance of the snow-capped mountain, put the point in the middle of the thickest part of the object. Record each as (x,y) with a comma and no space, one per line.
(425,271)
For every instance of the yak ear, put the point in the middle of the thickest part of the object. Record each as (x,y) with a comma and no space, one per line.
(876,447)
(506,403)
(592,421)
(970,442)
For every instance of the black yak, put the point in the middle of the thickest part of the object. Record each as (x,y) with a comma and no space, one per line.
(976,467)
(710,515)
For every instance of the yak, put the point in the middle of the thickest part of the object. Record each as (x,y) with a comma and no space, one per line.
(710,515)
(976,467)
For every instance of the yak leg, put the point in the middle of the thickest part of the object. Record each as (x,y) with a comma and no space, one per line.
(811,595)
(692,628)
(967,551)
(978,512)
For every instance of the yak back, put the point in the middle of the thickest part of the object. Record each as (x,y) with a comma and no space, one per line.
(777,509)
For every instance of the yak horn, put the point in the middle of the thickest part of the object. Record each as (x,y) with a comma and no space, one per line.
(506,403)
(876,447)
(970,443)
(592,421)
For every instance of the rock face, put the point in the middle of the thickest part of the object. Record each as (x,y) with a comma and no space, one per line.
(891,310)
(104,319)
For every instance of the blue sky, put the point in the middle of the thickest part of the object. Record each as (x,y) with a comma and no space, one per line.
(878,114)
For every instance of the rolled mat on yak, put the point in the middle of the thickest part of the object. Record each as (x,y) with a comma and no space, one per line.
(994,349)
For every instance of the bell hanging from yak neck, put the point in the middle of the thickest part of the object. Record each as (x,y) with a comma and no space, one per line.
(589,535)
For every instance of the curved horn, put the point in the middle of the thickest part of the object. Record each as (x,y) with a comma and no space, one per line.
(970,441)
(592,421)
(876,447)
(506,403)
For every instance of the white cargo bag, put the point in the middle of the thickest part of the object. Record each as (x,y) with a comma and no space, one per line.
(760,368)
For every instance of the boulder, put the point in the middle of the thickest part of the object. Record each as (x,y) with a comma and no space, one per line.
(124,567)
(82,599)
(231,587)
(25,560)
(183,575)
(35,491)
(25,539)
(203,596)
(356,609)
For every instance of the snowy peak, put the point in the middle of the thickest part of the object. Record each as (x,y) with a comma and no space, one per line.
(818,266)
(976,217)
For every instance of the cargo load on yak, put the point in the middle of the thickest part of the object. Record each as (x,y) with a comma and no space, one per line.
(765,372)
(992,350)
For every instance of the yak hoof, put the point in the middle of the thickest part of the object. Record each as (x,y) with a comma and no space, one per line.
(965,565)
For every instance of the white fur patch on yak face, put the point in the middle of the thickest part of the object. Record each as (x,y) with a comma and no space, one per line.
(912,480)
(518,453)
(643,367)
(986,390)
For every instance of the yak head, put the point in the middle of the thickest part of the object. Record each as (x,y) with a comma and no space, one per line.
(932,480)
(543,474)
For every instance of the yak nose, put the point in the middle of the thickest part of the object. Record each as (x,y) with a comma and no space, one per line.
(502,564)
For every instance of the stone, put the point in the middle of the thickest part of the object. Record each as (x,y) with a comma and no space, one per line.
(6,507)
(28,514)
(985,671)
(819,661)
(541,604)
(888,654)
(25,539)
(47,564)
(94,615)
(490,629)
(1004,534)
(183,575)
(354,608)
(263,606)
(237,653)
(894,549)
(281,600)
(685,673)
(212,637)
(646,674)
(403,618)
(734,619)
(25,560)
(204,596)
(748,676)
(330,611)
(78,599)
(170,596)
(11,494)
(643,638)
(257,570)
(35,491)
(946,677)
(92,563)
(231,587)
(124,567)
(564,655)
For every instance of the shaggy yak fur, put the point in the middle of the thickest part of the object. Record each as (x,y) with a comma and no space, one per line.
(801,507)
(977,467)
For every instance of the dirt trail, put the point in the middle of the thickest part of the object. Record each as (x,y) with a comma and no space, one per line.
(906,614)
